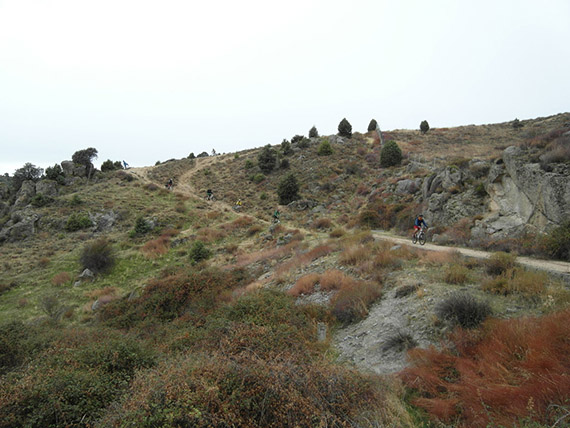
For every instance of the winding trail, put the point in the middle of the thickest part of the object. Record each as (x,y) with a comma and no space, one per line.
(555,266)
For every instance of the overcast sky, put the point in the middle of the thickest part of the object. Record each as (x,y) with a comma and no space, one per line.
(143,81)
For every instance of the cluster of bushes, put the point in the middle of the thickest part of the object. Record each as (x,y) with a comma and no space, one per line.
(78,221)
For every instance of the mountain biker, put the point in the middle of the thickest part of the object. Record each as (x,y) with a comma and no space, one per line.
(237,205)
(209,194)
(419,222)
(169,183)
(276,215)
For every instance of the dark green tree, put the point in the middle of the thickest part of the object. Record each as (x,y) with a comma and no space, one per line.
(286,148)
(313,133)
(390,155)
(288,190)
(55,173)
(191,156)
(27,172)
(424,126)
(345,128)
(296,139)
(372,125)
(85,157)
(517,124)
(267,159)
(109,165)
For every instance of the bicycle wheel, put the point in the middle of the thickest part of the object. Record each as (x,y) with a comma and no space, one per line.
(422,238)
(414,238)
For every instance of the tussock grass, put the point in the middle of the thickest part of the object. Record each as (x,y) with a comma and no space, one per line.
(511,369)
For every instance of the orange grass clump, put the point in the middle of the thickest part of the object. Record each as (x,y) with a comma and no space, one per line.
(505,372)
(334,279)
(61,278)
(156,247)
(305,284)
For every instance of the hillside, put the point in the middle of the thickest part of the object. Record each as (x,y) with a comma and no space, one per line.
(200,315)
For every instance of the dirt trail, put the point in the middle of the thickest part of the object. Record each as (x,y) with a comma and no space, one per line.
(555,266)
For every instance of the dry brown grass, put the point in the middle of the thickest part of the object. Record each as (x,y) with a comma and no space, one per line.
(95,294)
(335,279)
(322,223)
(61,278)
(337,233)
(355,255)
(156,247)
(436,258)
(305,284)
(208,235)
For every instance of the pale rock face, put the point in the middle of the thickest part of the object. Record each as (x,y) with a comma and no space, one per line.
(47,187)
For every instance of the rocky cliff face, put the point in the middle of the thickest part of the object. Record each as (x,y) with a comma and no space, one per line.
(520,195)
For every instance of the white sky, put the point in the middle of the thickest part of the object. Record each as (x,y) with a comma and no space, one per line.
(153,80)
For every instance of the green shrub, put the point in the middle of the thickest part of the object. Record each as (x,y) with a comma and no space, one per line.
(372,125)
(304,143)
(109,165)
(456,274)
(370,218)
(78,221)
(55,173)
(257,178)
(27,172)
(192,156)
(142,226)
(267,159)
(390,155)
(98,256)
(199,252)
(288,190)
(286,148)
(345,128)
(284,164)
(499,263)
(249,164)
(517,124)
(557,243)
(75,201)
(325,149)
(313,133)
(424,126)
(463,310)
(297,139)
(40,200)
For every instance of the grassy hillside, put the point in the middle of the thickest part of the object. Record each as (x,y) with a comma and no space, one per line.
(199,315)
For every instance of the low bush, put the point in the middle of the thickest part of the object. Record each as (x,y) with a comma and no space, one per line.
(557,242)
(529,284)
(399,342)
(322,223)
(78,221)
(337,233)
(199,252)
(61,278)
(41,200)
(456,274)
(156,247)
(325,149)
(499,263)
(463,310)
(142,226)
(335,279)
(405,290)
(352,302)
(98,256)
(509,371)
(305,284)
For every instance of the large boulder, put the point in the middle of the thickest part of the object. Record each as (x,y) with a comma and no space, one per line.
(22,224)
(47,188)
(524,190)
(25,194)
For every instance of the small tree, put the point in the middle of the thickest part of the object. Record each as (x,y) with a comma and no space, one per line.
(313,133)
(54,172)
(372,125)
(192,156)
(203,155)
(517,124)
(297,138)
(325,149)
(390,155)
(85,157)
(424,126)
(267,159)
(109,165)
(288,190)
(286,148)
(345,128)
(27,172)
(199,252)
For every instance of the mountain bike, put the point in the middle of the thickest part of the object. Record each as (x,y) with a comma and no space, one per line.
(419,236)
(210,198)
